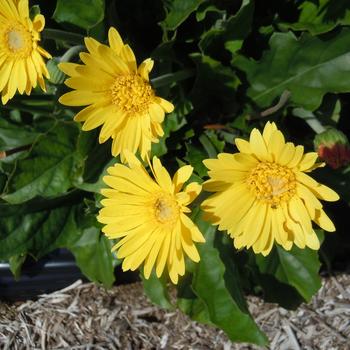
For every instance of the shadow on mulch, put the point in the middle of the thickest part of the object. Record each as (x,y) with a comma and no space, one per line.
(85,316)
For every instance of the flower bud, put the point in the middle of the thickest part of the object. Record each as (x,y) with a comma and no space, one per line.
(56,75)
(333,147)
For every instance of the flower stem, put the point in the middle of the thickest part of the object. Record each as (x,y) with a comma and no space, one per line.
(310,119)
(71,52)
(315,125)
(169,78)
(62,35)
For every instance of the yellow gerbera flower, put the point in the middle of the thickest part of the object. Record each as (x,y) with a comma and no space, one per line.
(21,62)
(150,217)
(263,194)
(118,95)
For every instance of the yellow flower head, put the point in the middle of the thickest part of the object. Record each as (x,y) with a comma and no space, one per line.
(149,217)
(263,194)
(118,95)
(21,62)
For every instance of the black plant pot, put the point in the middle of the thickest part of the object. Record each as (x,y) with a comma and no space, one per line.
(55,271)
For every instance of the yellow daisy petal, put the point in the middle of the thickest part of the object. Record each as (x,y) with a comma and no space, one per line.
(262,194)
(149,217)
(23,65)
(243,146)
(308,161)
(115,40)
(69,68)
(298,154)
(276,144)
(324,221)
(268,130)
(181,176)
(312,241)
(145,68)
(109,74)
(128,56)
(258,145)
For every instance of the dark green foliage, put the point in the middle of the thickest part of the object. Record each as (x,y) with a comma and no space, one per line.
(228,66)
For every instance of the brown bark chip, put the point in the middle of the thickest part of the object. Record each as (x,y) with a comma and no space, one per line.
(86,316)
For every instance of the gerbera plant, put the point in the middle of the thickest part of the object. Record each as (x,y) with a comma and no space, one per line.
(118,94)
(243,211)
(22,65)
(150,217)
(263,194)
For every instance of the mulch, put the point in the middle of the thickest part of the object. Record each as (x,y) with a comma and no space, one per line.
(86,316)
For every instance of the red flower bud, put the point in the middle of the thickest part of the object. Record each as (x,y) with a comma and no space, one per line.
(333,147)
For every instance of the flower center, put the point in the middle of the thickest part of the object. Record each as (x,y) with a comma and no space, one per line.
(132,94)
(166,209)
(18,41)
(272,183)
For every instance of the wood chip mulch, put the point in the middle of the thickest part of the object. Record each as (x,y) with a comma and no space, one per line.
(85,316)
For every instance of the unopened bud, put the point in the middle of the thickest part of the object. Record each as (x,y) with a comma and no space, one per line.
(333,147)
(56,75)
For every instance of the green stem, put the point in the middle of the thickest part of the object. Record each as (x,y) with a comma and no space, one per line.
(71,52)
(56,34)
(310,119)
(315,125)
(167,79)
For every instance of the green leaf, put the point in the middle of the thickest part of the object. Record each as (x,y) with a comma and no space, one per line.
(321,16)
(50,168)
(92,252)
(40,232)
(35,233)
(16,262)
(229,33)
(178,11)
(189,303)
(218,144)
(195,157)
(15,135)
(156,290)
(215,87)
(99,184)
(308,67)
(297,267)
(205,8)
(172,123)
(82,13)
(217,285)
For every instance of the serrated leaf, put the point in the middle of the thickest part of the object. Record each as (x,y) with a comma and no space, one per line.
(218,287)
(297,267)
(156,290)
(178,11)
(228,33)
(321,16)
(82,13)
(218,144)
(308,67)
(49,169)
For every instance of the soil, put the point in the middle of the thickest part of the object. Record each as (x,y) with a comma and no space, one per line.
(86,316)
